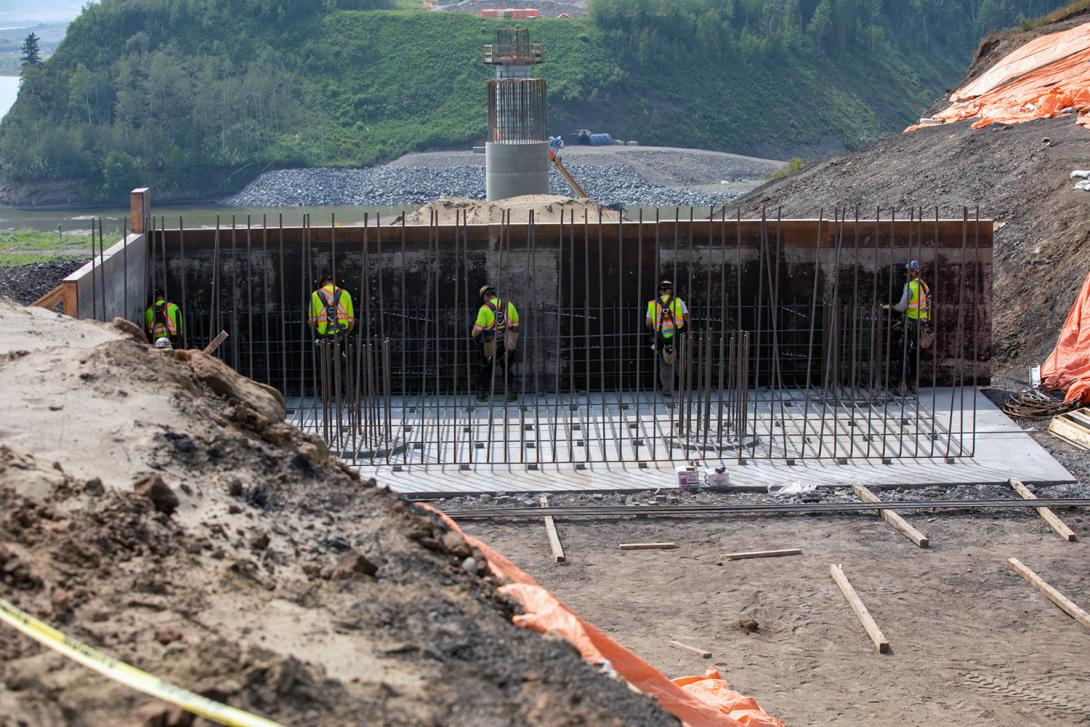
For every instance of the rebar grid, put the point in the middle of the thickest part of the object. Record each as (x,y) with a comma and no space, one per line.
(789,354)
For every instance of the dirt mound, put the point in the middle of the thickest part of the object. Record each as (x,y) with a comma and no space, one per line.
(26,283)
(153,505)
(1020,177)
(546,207)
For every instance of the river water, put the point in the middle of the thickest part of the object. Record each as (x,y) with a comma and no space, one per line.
(9,89)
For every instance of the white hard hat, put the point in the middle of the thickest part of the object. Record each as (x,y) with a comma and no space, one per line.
(162,343)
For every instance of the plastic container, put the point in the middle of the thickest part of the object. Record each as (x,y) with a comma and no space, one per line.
(688,478)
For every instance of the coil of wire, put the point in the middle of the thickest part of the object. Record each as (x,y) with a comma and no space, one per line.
(1037,403)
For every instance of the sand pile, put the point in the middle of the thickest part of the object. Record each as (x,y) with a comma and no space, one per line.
(547,208)
(155,506)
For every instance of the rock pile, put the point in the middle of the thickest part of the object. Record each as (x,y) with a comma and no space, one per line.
(390,186)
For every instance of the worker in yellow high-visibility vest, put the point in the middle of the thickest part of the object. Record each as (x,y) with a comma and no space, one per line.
(163,321)
(331,312)
(915,303)
(497,330)
(667,318)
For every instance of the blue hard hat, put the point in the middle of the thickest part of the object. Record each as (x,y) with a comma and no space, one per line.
(913,266)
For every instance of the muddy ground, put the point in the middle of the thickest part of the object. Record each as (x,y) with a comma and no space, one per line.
(153,505)
(972,642)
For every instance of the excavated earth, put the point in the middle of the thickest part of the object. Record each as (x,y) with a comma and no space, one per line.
(154,505)
(1018,175)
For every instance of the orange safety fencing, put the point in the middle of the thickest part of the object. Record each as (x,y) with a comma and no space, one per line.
(1021,91)
(698,701)
(1068,366)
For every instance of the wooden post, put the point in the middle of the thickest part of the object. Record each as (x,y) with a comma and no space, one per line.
(891,517)
(1046,514)
(550,530)
(861,612)
(139,209)
(763,554)
(1063,602)
(685,647)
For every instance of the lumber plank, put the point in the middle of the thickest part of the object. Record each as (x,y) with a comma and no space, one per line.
(1071,429)
(860,609)
(50,299)
(762,554)
(648,546)
(890,516)
(692,649)
(216,342)
(1046,513)
(1064,603)
(550,530)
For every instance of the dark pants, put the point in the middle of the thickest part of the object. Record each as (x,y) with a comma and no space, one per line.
(908,346)
(504,363)
(669,353)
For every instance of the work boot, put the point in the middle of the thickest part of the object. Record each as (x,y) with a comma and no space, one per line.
(482,396)
(511,396)
(902,389)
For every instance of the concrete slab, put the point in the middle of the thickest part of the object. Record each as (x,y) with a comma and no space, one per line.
(999,450)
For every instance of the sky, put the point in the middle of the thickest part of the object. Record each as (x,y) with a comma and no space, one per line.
(39,10)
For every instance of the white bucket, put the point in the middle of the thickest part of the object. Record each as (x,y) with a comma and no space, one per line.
(1035,376)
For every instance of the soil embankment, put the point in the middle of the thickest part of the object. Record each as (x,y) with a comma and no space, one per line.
(154,505)
(1018,175)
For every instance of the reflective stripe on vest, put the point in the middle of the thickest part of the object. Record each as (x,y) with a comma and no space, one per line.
(919,300)
(664,316)
(499,317)
(329,299)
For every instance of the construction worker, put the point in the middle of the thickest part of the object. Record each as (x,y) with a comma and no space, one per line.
(497,330)
(163,321)
(667,318)
(331,313)
(915,303)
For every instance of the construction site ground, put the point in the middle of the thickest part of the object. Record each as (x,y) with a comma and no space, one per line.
(972,642)
(154,506)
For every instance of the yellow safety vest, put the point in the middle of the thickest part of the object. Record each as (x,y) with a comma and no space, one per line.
(919,300)
(666,318)
(487,319)
(168,327)
(321,301)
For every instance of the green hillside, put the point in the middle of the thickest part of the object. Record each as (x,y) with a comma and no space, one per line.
(197,96)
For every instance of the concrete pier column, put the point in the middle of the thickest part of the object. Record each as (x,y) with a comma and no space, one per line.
(514,169)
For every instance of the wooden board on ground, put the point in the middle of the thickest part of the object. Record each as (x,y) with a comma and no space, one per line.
(1063,602)
(685,647)
(891,517)
(1073,426)
(550,530)
(648,546)
(861,612)
(1046,514)
(763,554)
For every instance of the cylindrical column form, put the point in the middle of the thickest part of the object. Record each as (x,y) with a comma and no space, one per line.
(516,154)
(514,169)
(516,110)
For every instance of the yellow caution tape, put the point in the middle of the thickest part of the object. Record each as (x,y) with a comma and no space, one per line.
(128,675)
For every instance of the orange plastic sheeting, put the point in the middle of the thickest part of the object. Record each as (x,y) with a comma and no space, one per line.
(697,701)
(1068,366)
(1040,94)
(1028,57)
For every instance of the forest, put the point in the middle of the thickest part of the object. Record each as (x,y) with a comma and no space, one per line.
(198,96)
